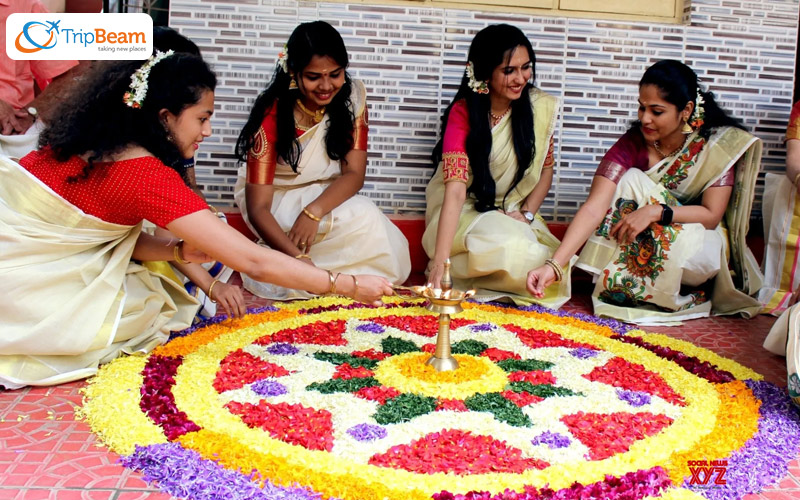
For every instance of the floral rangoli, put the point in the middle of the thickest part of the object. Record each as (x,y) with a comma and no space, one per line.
(330,399)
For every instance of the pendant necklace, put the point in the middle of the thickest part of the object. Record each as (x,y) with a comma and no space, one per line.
(317,115)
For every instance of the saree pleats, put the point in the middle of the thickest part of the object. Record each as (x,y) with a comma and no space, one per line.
(74,298)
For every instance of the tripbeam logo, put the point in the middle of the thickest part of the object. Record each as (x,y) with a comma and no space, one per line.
(79,36)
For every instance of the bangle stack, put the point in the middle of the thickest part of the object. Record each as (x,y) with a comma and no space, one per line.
(210,288)
(177,253)
(332,278)
(556,269)
(796,177)
(311,216)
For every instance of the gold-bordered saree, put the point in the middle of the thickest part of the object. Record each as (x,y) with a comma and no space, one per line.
(642,282)
(73,299)
(491,251)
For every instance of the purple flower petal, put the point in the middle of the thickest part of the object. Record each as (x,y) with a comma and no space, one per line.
(269,387)
(282,349)
(634,398)
(553,440)
(185,474)
(370,327)
(583,353)
(482,327)
(367,432)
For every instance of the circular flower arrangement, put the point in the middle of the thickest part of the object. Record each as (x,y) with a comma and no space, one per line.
(330,399)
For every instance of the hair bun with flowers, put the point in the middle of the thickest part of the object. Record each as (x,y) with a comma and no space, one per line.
(699,115)
(283,59)
(479,87)
(138,87)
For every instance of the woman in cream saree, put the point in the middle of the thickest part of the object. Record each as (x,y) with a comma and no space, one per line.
(668,212)
(657,277)
(305,151)
(493,236)
(75,299)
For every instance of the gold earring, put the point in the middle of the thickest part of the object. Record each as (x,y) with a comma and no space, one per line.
(292,84)
(687,129)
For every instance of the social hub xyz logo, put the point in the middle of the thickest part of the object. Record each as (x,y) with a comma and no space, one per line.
(703,470)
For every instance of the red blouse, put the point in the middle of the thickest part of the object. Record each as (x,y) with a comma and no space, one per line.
(123,192)
(262,157)
(455,161)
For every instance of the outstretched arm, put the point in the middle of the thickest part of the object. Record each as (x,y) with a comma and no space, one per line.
(583,224)
(205,231)
(455,193)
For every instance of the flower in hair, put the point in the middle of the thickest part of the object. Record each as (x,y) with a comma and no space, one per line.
(476,86)
(283,59)
(699,114)
(138,87)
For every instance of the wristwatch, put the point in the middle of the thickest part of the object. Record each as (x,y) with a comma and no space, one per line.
(33,112)
(528,215)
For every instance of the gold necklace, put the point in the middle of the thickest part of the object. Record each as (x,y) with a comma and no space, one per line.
(496,118)
(658,149)
(317,115)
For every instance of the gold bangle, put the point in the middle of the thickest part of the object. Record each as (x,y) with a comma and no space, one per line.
(177,253)
(211,287)
(311,216)
(796,177)
(355,285)
(302,256)
(332,279)
(213,209)
(556,268)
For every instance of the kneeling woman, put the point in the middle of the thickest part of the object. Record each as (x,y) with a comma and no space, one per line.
(305,148)
(71,217)
(666,234)
(495,166)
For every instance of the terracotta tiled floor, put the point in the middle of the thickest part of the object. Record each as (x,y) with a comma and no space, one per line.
(46,454)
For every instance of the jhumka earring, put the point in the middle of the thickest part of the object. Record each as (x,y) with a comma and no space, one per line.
(292,84)
(687,129)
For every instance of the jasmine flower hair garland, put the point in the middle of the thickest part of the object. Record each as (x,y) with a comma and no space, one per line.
(138,87)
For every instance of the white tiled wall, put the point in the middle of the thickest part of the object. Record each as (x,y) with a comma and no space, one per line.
(411,60)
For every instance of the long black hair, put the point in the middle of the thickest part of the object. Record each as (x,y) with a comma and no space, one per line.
(316,38)
(678,84)
(93,117)
(491,47)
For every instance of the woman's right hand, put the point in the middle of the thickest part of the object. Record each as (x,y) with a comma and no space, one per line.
(370,288)
(539,279)
(435,273)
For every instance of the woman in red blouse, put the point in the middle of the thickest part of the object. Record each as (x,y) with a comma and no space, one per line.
(305,153)
(661,218)
(70,225)
(494,169)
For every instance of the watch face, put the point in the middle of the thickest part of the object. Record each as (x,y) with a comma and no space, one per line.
(528,216)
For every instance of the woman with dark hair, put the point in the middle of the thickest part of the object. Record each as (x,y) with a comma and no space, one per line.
(495,166)
(661,218)
(305,152)
(198,279)
(71,216)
